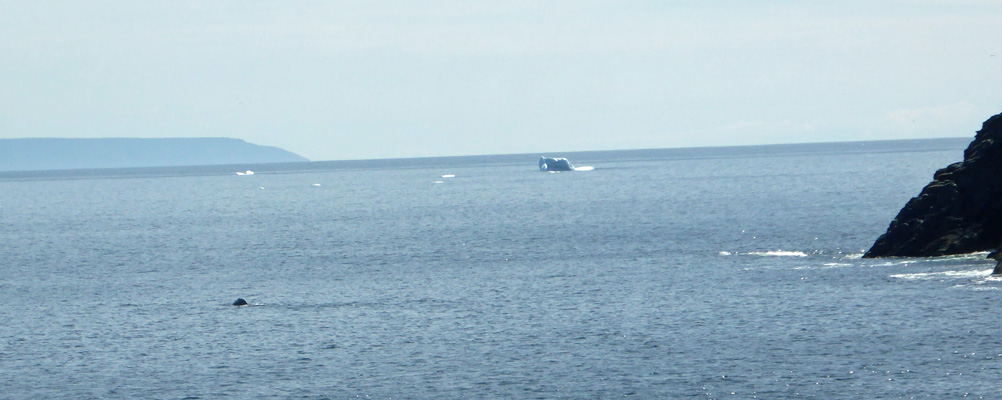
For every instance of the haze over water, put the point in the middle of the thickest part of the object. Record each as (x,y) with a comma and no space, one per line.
(699,273)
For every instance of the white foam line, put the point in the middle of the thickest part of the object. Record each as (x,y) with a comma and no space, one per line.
(777,253)
(945,274)
(895,263)
(981,255)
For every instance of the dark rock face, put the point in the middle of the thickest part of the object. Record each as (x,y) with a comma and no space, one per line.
(997,256)
(959,212)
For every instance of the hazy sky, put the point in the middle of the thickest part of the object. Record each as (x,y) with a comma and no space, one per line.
(377,79)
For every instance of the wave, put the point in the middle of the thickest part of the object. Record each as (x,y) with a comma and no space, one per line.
(980,255)
(965,274)
(895,262)
(981,288)
(834,256)
(777,253)
(841,258)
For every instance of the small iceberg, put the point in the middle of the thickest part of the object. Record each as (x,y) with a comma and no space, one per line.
(247,172)
(547,164)
(554,164)
(449,176)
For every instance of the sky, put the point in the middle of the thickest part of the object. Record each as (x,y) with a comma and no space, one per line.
(338,80)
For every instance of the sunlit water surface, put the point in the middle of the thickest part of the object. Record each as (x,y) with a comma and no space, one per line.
(735,274)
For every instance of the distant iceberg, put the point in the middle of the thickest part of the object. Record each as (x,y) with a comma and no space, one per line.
(554,164)
(547,164)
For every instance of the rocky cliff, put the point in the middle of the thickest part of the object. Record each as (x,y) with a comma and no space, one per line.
(960,211)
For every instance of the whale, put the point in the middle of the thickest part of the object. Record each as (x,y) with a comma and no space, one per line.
(240,302)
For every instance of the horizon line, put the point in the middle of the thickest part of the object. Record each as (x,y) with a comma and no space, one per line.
(643,149)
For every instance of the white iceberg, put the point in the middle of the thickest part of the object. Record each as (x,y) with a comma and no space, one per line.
(547,164)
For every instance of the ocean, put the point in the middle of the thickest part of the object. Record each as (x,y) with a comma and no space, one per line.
(716,273)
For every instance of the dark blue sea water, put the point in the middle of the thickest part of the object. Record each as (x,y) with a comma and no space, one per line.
(689,273)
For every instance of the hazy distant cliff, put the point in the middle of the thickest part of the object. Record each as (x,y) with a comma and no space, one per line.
(49,154)
(960,211)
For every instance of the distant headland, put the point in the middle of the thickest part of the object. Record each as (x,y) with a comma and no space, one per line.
(959,211)
(63,154)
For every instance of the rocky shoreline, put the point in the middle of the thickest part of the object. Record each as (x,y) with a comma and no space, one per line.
(959,212)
